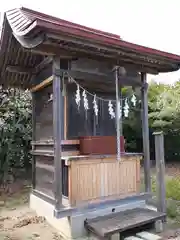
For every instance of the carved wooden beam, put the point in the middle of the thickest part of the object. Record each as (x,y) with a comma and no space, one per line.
(94,77)
(19,69)
(94,87)
(39,51)
(29,70)
(121,60)
(116,54)
(115,59)
(51,49)
(135,55)
(41,85)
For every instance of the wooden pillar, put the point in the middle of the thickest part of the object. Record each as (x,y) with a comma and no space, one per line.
(145,133)
(121,110)
(33,139)
(67,66)
(160,171)
(57,118)
(118,118)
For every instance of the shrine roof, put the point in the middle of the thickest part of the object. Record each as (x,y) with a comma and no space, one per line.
(29,36)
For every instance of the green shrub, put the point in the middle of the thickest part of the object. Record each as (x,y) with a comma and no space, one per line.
(172,210)
(15,132)
(172,188)
(172,196)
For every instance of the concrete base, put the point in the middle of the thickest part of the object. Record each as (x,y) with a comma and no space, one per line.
(72,227)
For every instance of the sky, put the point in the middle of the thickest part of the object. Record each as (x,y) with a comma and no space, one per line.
(152,23)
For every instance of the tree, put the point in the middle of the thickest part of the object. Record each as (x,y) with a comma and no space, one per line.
(132,125)
(164,114)
(164,106)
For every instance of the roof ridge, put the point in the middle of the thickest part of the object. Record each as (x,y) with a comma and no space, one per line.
(59,21)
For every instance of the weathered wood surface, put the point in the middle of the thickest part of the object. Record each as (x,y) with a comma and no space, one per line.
(45,174)
(118,222)
(88,65)
(46,147)
(160,171)
(105,70)
(145,133)
(44,114)
(93,179)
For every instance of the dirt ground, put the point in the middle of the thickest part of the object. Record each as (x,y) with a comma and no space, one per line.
(18,222)
(23,224)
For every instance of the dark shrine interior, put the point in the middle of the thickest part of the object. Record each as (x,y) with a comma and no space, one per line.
(81,123)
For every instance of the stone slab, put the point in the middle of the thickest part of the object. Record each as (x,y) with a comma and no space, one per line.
(133,238)
(115,236)
(148,236)
(73,227)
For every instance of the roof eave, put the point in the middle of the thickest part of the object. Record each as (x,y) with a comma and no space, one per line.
(55,28)
(27,36)
(32,19)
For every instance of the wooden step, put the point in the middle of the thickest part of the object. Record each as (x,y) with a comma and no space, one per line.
(106,226)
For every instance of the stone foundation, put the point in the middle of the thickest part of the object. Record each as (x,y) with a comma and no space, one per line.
(72,227)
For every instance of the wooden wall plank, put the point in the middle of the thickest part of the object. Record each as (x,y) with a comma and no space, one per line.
(93,179)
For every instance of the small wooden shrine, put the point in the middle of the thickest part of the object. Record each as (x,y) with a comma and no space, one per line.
(81,169)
